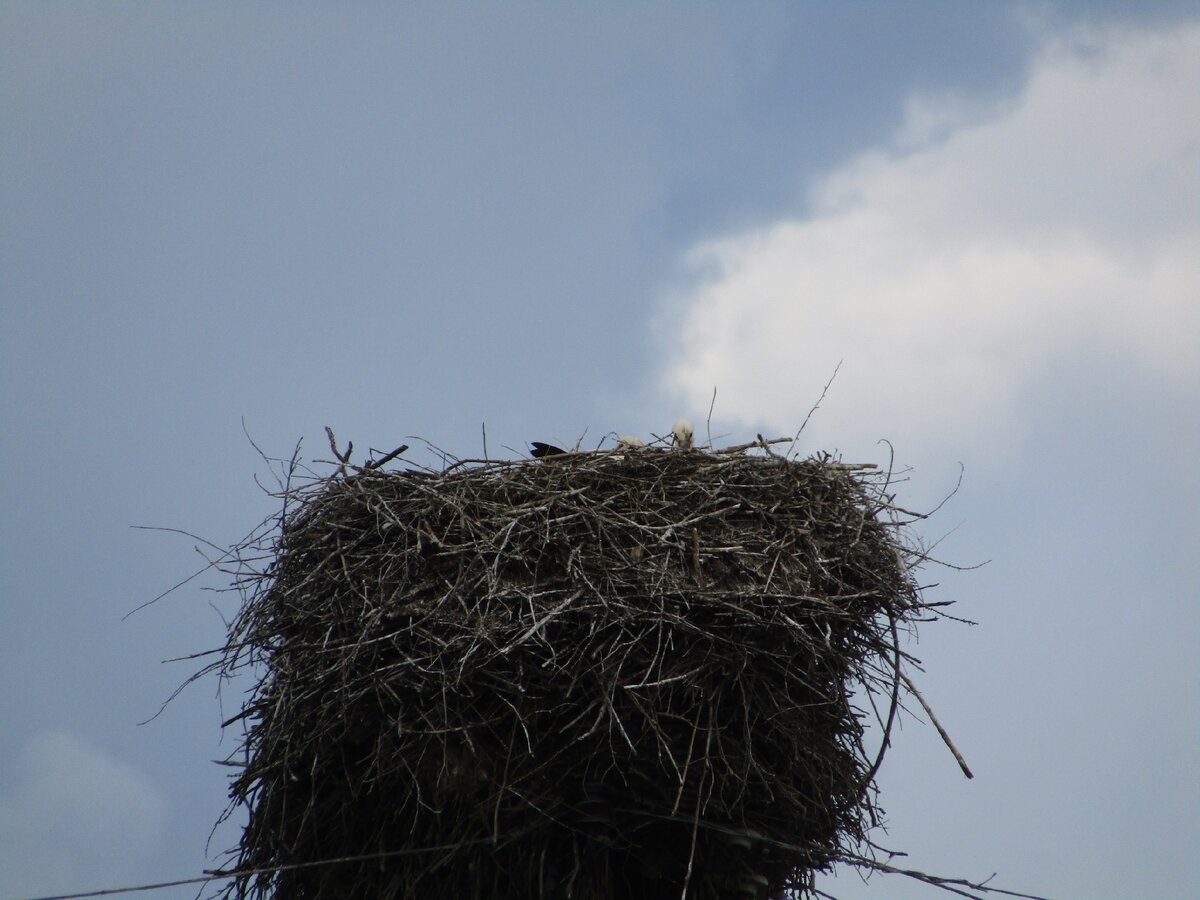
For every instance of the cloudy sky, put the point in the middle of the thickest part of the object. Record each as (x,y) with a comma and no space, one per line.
(419,219)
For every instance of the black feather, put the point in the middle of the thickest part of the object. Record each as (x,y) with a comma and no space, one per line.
(539,450)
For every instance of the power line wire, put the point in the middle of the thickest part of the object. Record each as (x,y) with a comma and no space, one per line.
(219,875)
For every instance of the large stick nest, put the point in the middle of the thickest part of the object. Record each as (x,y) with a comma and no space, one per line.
(604,675)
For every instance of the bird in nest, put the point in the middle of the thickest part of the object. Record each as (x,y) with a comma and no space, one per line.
(541,450)
(684,435)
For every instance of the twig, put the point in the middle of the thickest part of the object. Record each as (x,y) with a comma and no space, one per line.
(962,763)
(708,420)
(815,406)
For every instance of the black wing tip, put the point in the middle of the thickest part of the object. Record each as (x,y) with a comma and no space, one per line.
(541,449)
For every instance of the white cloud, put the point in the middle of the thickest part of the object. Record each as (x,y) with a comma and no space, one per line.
(952,269)
(72,817)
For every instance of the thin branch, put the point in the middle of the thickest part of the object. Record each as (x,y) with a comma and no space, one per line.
(962,763)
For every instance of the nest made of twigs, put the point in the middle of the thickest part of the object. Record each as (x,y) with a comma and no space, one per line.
(603,675)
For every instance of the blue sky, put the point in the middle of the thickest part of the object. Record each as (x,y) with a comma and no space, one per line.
(414,219)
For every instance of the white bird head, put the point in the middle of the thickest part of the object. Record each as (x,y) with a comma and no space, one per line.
(629,442)
(685,435)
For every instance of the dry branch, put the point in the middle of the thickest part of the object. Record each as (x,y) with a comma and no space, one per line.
(606,675)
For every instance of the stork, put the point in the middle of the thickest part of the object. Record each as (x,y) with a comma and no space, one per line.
(685,435)
(541,450)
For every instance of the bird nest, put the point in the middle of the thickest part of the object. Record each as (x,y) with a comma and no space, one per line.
(597,676)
